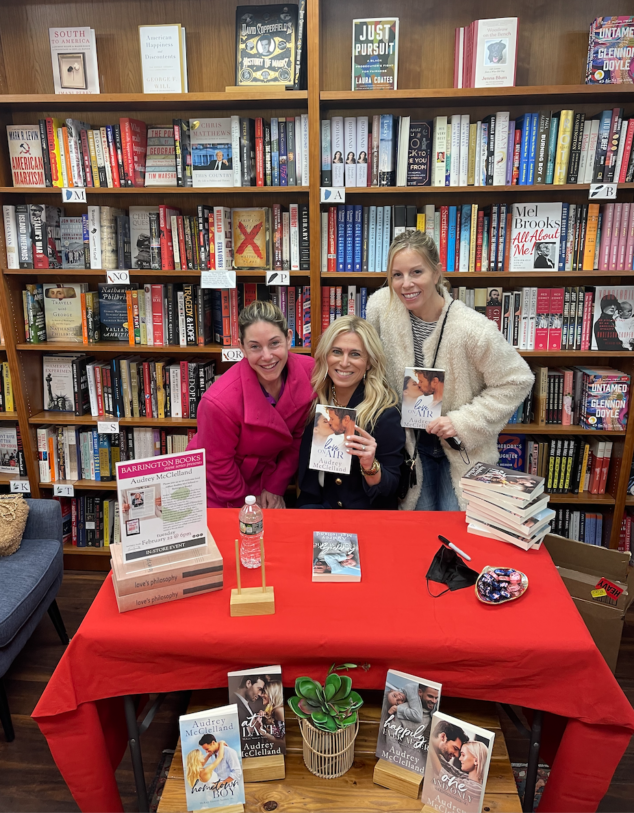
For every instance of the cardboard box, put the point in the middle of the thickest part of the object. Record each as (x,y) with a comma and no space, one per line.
(601,583)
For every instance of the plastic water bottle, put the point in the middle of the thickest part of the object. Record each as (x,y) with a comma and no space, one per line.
(251,529)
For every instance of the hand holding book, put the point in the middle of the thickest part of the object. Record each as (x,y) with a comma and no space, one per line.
(363,446)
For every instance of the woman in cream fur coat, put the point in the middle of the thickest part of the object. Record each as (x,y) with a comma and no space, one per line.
(485,378)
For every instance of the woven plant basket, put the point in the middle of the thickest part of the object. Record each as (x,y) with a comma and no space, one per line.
(328,755)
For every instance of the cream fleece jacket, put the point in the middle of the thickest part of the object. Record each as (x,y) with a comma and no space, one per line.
(485,378)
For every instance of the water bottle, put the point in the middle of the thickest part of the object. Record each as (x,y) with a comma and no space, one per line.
(251,529)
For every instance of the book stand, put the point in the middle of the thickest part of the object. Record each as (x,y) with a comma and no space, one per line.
(252,600)
(264,769)
(397,778)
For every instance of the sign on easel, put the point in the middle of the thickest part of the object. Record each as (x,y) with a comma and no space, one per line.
(162,504)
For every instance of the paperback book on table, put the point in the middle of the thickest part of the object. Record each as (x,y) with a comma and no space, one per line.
(331,425)
(408,705)
(456,783)
(258,694)
(212,759)
(336,557)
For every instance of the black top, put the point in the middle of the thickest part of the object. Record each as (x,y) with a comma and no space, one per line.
(353,492)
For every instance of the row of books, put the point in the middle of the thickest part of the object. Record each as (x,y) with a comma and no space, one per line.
(158,238)
(336,302)
(11,450)
(89,520)
(570,318)
(357,238)
(7,404)
(568,465)
(211,152)
(625,537)
(125,387)
(589,397)
(535,148)
(186,315)
(584,526)
(77,453)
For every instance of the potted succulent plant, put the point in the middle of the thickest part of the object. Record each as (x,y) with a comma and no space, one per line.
(328,720)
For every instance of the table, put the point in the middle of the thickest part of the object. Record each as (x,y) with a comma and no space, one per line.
(535,652)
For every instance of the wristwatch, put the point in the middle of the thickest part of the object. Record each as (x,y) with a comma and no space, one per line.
(375,468)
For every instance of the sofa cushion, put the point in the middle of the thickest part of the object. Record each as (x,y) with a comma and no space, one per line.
(25,578)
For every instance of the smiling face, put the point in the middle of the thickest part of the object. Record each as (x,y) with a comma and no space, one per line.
(266,349)
(347,361)
(395,698)
(429,697)
(414,281)
(467,760)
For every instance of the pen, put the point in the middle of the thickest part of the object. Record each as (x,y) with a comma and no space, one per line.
(454,547)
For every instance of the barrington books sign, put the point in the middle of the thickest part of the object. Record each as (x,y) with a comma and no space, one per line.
(162,504)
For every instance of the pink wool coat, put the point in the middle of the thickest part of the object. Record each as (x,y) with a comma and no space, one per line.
(251,445)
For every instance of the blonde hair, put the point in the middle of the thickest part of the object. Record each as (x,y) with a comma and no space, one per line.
(275,693)
(422,243)
(194,764)
(261,311)
(479,751)
(379,396)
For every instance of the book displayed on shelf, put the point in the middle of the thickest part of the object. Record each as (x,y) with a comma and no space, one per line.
(588,526)
(212,758)
(62,310)
(25,155)
(258,694)
(375,53)
(9,450)
(404,731)
(456,782)
(163,504)
(613,327)
(163,58)
(74,58)
(251,229)
(611,51)
(212,151)
(422,396)
(535,236)
(486,54)
(266,45)
(546,147)
(330,427)
(336,557)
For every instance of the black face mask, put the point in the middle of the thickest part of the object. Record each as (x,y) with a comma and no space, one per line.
(448,568)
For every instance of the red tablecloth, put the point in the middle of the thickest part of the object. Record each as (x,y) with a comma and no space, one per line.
(535,652)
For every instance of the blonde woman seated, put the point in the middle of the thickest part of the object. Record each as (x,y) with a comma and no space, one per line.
(197,771)
(350,373)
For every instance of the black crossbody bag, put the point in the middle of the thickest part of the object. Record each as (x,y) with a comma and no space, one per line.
(408,477)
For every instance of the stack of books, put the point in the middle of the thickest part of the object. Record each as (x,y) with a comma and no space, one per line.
(507,505)
(159,579)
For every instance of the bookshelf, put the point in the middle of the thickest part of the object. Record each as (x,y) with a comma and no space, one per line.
(552,46)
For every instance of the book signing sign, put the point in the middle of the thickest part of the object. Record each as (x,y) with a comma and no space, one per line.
(163,504)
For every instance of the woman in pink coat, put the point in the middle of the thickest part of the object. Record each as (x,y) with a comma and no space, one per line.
(251,421)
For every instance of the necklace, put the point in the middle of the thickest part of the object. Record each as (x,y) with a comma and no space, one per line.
(334,397)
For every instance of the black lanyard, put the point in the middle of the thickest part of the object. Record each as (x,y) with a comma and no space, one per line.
(442,330)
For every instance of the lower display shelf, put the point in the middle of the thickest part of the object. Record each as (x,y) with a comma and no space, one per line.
(86,551)
(69,418)
(555,429)
(583,499)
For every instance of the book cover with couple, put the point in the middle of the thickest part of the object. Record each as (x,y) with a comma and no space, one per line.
(422,396)
(258,695)
(336,557)
(457,766)
(408,705)
(330,427)
(212,760)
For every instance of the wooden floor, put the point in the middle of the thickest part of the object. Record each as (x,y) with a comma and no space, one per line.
(29,780)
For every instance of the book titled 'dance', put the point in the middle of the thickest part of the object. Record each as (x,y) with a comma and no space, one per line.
(336,557)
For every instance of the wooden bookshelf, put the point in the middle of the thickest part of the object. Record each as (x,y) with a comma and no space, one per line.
(134,272)
(552,47)
(555,429)
(70,419)
(86,485)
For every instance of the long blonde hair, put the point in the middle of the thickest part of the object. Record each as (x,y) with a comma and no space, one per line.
(379,396)
(194,764)
(275,693)
(422,243)
(478,750)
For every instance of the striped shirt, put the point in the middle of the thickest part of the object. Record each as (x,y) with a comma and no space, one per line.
(420,331)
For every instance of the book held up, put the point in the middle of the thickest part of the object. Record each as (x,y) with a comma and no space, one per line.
(328,450)
(422,396)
